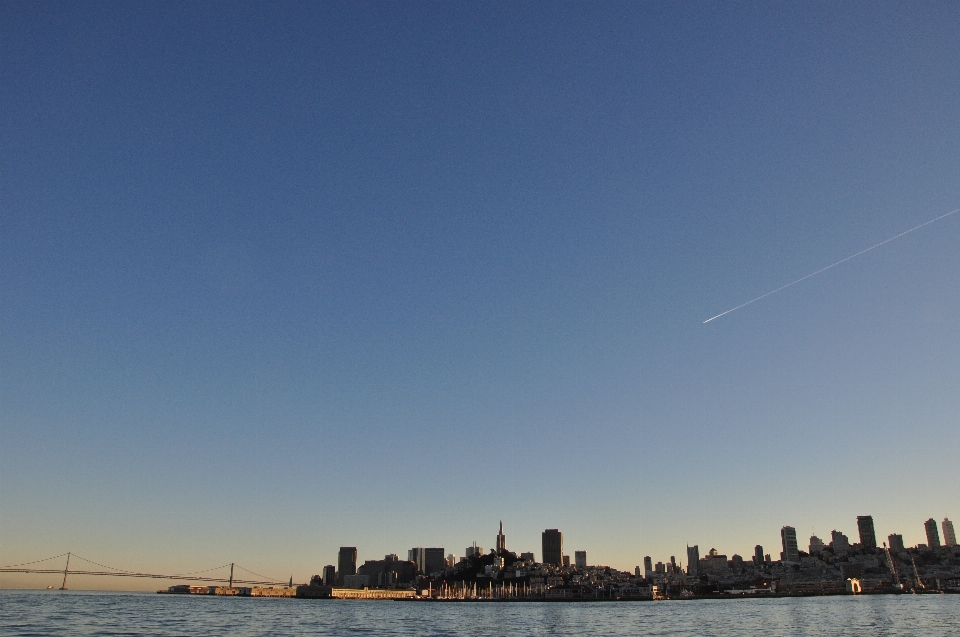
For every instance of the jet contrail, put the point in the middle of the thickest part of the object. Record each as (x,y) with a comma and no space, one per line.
(833,265)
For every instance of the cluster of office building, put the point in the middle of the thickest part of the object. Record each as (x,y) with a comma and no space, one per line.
(494,570)
(479,574)
(433,562)
(826,567)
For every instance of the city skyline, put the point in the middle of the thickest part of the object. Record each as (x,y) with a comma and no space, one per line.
(344,275)
(432,559)
(553,553)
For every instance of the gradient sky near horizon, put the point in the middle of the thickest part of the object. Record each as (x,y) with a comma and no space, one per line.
(281,277)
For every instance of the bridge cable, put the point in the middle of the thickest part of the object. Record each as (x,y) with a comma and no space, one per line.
(206,570)
(34,562)
(258,574)
(102,565)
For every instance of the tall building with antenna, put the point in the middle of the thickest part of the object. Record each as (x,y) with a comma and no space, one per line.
(501,540)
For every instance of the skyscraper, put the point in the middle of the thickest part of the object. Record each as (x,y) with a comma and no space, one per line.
(896,542)
(816,545)
(868,538)
(552,547)
(474,550)
(647,565)
(693,559)
(933,536)
(433,560)
(839,542)
(418,556)
(758,555)
(788,538)
(346,562)
(949,536)
(501,540)
(580,559)
(329,575)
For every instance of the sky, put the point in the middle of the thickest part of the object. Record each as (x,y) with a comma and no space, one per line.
(282,277)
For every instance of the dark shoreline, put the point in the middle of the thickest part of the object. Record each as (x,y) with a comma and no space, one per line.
(665,599)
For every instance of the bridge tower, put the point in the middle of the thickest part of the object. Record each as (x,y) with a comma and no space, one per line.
(63,586)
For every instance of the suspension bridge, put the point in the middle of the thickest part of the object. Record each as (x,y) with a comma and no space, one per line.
(89,567)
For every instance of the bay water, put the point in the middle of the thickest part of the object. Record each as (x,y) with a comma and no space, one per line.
(28,613)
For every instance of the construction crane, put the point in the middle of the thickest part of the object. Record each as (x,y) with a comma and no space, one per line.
(897,586)
(916,574)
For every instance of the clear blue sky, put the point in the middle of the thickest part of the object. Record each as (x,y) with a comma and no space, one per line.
(282,277)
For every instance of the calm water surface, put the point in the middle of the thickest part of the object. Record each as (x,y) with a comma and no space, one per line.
(89,613)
